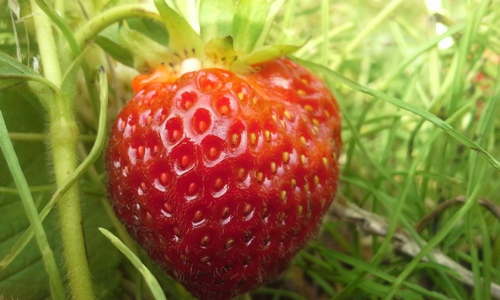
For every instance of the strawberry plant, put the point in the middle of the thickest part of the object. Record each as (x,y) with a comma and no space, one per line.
(181,149)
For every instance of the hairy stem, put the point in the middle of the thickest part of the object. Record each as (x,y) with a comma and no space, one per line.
(63,138)
(48,49)
(92,28)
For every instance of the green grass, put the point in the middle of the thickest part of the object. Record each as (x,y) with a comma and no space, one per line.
(420,163)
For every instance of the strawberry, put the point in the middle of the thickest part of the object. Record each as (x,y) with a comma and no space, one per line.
(222,176)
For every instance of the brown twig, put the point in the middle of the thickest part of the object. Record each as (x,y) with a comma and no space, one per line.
(492,207)
(371,223)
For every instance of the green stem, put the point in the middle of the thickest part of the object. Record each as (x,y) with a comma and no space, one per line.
(92,28)
(63,138)
(48,49)
(70,180)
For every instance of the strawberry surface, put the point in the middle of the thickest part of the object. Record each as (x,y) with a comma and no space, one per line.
(222,178)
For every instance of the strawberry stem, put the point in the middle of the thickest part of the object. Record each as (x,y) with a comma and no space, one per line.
(63,137)
(95,25)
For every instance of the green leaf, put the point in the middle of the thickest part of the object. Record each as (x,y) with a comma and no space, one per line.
(184,41)
(271,15)
(135,43)
(9,83)
(150,28)
(108,39)
(269,53)
(126,43)
(216,19)
(13,73)
(249,21)
(220,50)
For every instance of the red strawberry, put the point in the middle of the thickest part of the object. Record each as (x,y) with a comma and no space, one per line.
(223,178)
(222,174)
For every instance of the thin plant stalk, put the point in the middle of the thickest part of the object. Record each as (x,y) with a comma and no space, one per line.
(56,284)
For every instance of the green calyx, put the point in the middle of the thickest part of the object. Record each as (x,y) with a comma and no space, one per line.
(229,34)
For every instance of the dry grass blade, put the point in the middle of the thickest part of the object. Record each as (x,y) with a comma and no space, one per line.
(492,207)
(402,242)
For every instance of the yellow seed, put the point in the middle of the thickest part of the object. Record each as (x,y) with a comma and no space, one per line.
(303,159)
(204,241)
(218,183)
(229,244)
(198,216)
(286,157)
(303,140)
(235,139)
(274,118)
(315,121)
(304,81)
(223,110)
(253,138)
(260,176)
(325,161)
(294,183)
(316,180)
(241,173)
(241,96)
(267,134)
(283,195)
(300,209)
(213,152)
(301,93)
(273,167)
(287,115)
(306,187)
(309,108)
(247,209)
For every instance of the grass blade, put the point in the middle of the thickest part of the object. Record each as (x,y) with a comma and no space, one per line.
(148,276)
(56,284)
(406,106)
(80,170)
